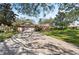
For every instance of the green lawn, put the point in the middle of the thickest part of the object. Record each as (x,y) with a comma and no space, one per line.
(69,35)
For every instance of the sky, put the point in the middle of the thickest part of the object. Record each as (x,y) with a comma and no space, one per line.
(39,1)
(50,15)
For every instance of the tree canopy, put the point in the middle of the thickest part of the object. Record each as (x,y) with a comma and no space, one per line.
(34,9)
(7,16)
(67,13)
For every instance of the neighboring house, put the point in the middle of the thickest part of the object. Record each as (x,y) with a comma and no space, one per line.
(45,26)
(74,24)
(71,25)
(55,26)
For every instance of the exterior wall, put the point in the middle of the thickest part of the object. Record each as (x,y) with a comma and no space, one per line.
(45,26)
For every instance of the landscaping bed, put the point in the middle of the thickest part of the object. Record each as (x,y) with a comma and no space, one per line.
(5,35)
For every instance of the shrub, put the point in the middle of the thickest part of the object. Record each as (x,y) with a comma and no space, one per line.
(6,35)
(51,28)
(38,28)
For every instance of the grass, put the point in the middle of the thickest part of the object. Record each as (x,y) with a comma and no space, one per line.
(68,35)
(5,35)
